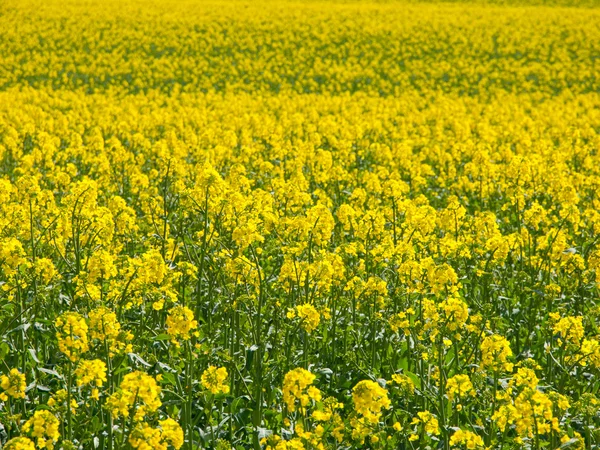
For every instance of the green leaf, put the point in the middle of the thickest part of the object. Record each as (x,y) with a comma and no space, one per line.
(168,378)
(33,354)
(4,350)
(414,378)
(161,337)
(50,372)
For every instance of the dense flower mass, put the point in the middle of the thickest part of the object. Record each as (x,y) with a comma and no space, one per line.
(180,323)
(214,379)
(369,399)
(306,225)
(12,385)
(19,443)
(43,427)
(72,335)
(298,389)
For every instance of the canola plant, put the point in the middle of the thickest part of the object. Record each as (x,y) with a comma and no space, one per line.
(288,225)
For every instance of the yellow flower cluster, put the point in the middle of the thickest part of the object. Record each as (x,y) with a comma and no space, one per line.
(495,352)
(13,385)
(43,426)
(59,402)
(139,393)
(180,323)
(297,388)
(214,379)
(169,433)
(308,315)
(198,196)
(369,400)
(570,329)
(467,439)
(72,335)
(19,443)
(459,386)
(428,422)
(106,329)
(91,372)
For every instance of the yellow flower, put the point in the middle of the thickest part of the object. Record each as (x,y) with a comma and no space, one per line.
(101,266)
(400,321)
(495,351)
(308,316)
(171,432)
(93,371)
(526,377)
(297,388)
(12,256)
(44,268)
(534,413)
(180,323)
(144,437)
(106,329)
(43,426)
(459,386)
(369,399)
(72,335)
(570,329)
(404,383)
(455,312)
(58,402)
(19,443)
(505,415)
(14,384)
(429,422)
(467,438)
(214,380)
(138,391)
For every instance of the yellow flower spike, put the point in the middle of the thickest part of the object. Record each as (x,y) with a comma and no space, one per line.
(214,380)
(13,384)
(369,400)
(72,335)
(19,443)
(495,351)
(43,426)
(91,372)
(298,389)
(180,324)
(466,439)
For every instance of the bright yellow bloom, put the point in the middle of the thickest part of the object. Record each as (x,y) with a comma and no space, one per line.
(138,391)
(58,401)
(180,323)
(495,351)
(308,316)
(13,384)
(369,400)
(106,329)
(466,438)
(570,329)
(72,335)
(43,426)
(404,383)
(169,433)
(459,386)
(19,443)
(429,422)
(455,312)
(89,372)
(297,387)
(214,380)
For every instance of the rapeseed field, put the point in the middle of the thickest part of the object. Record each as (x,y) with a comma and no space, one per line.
(288,225)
